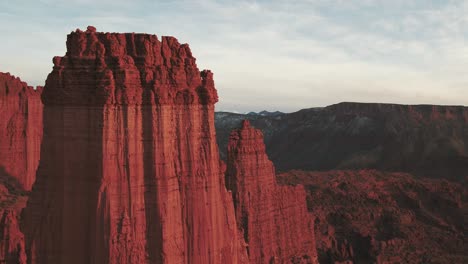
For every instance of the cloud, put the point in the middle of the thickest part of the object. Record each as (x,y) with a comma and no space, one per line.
(274,55)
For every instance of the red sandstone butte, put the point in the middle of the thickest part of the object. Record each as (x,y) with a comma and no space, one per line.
(20,130)
(130,169)
(273,219)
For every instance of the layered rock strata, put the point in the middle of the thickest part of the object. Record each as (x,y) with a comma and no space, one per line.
(20,129)
(273,219)
(129,169)
(20,140)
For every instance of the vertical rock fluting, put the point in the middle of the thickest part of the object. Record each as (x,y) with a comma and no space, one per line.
(20,130)
(129,169)
(273,219)
(20,140)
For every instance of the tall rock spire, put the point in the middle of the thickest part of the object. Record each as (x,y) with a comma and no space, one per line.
(129,169)
(273,219)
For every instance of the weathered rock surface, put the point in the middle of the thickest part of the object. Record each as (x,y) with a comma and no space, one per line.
(12,201)
(20,140)
(20,129)
(273,219)
(370,216)
(129,169)
(426,140)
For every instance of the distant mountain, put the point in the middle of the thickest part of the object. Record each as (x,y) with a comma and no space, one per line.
(425,140)
(266,113)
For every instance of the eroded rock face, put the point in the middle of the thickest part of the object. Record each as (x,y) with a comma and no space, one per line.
(20,140)
(129,169)
(273,219)
(20,129)
(12,201)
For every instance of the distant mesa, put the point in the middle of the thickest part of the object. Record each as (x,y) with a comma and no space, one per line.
(426,140)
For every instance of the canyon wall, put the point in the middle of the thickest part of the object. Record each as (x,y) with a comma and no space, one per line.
(20,140)
(273,219)
(425,140)
(129,169)
(20,130)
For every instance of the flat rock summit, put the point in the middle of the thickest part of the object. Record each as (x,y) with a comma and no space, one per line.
(128,169)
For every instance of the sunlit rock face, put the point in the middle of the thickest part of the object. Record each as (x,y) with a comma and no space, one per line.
(20,129)
(129,169)
(273,219)
(20,140)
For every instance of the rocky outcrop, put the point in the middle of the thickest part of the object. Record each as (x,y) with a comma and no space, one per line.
(12,201)
(130,172)
(425,140)
(370,216)
(20,129)
(20,141)
(129,169)
(273,219)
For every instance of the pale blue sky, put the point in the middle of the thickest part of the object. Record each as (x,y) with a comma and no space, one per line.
(273,55)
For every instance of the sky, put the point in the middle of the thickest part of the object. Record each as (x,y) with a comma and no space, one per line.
(270,54)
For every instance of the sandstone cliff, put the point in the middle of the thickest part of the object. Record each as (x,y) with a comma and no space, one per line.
(273,219)
(20,140)
(129,169)
(20,129)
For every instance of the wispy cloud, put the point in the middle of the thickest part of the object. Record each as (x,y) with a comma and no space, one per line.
(273,55)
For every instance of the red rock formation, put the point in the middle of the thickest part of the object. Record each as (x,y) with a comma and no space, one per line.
(129,169)
(12,201)
(20,140)
(370,216)
(20,129)
(273,219)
